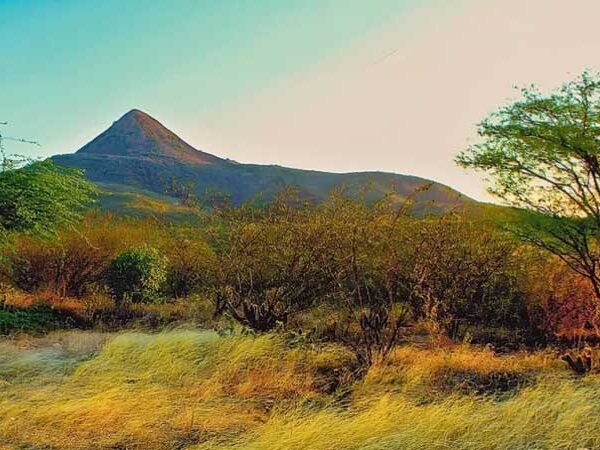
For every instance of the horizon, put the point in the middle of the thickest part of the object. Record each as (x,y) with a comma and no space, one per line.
(389,86)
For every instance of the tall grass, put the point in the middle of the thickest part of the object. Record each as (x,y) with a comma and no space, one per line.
(157,391)
(198,390)
(544,417)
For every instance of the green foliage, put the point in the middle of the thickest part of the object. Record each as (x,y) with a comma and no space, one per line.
(542,152)
(37,319)
(137,274)
(41,196)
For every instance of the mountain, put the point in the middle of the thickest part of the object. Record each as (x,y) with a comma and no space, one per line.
(137,135)
(138,153)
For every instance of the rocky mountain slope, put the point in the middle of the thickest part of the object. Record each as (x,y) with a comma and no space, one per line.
(137,151)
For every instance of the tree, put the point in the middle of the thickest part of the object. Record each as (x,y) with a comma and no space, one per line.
(465,275)
(366,258)
(40,196)
(542,153)
(36,197)
(267,265)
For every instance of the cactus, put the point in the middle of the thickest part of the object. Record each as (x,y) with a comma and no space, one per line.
(582,362)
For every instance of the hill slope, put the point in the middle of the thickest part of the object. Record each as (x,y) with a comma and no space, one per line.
(138,151)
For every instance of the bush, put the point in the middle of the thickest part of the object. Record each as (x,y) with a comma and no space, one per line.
(191,264)
(467,274)
(267,264)
(74,261)
(564,307)
(67,266)
(364,253)
(137,274)
(36,320)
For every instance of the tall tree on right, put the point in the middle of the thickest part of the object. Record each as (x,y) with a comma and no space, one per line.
(542,153)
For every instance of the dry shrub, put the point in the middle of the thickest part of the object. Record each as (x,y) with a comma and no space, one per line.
(101,310)
(191,264)
(192,310)
(565,305)
(73,262)
(267,267)
(466,275)
(67,266)
(24,300)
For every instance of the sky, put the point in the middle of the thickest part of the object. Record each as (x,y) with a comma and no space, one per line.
(337,85)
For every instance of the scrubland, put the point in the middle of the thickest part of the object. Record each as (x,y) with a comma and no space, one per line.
(286,326)
(351,322)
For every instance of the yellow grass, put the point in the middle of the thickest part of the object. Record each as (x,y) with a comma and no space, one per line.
(196,390)
(149,391)
(548,417)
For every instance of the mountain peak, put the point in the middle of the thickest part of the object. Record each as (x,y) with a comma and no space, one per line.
(135,113)
(137,134)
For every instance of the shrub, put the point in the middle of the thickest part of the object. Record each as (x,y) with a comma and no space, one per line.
(137,274)
(37,319)
(267,264)
(73,261)
(564,306)
(466,274)
(364,255)
(191,264)
(67,265)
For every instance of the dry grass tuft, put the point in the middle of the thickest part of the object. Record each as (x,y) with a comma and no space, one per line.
(427,374)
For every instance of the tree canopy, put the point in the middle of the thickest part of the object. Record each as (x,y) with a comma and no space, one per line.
(40,196)
(542,152)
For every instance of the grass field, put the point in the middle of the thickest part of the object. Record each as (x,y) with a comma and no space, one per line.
(192,389)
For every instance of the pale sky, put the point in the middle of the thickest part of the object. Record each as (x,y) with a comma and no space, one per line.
(336,85)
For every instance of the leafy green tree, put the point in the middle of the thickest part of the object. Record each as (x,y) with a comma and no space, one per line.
(36,197)
(542,153)
(137,274)
(41,196)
